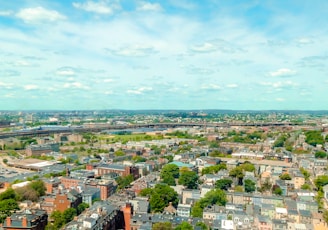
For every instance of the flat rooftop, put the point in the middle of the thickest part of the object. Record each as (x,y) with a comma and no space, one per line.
(30,163)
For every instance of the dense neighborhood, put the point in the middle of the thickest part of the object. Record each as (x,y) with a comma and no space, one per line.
(201,170)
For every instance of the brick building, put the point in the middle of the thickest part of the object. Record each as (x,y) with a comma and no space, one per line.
(121,170)
(107,187)
(61,201)
(27,220)
(38,150)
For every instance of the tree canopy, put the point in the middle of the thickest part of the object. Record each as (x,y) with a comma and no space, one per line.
(169,173)
(214,169)
(285,176)
(160,196)
(320,154)
(314,137)
(249,185)
(184,226)
(215,196)
(223,184)
(189,179)
(162,226)
(321,181)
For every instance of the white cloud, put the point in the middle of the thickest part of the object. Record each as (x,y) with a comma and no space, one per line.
(140,90)
(217,45)
(101,7)
(65,72)
(211,87)
(108,80)
(280,99)
(6,13)
(5,85)
(133,51)
(283,72)
(22,63)
(75,85)
(204,48)
(147,6)
(232,86)
(279,84)
(109,92)
(39,14)
(304,41)
(31,87)
(9,95)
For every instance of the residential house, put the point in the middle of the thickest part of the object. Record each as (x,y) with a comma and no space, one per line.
(279,224)
(101,215)
(89,194)
(305,216)
(184,210)
(263,222)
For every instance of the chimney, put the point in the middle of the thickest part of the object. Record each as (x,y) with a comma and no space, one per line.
(8,221)
(49,188)
(24,222)
(127,216)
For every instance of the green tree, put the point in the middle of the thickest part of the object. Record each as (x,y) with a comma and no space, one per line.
(9,193)
(119,153)
(69,214)
(223,184)
(38,186)
(276,190)
(58,220)
(320,154)
(7,206)
(81,207)
(305,173)
(238,173)
(162,226)
(249,185)
(189,179)
(161,196)
(168,179)
(249,167)
(138,159)
(285,176)
(184,226)
(314,137)
(321,181)
(27,193)
(215,196)
(146,192)
(214,168)
(168,174)
(325,214)
(306,187)
(170,169)
(124,181)
(239,188)
(202,225)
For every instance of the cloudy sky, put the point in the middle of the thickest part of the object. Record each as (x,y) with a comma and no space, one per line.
(169,54)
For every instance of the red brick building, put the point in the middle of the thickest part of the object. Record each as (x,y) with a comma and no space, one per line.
(27,220)
(121,170)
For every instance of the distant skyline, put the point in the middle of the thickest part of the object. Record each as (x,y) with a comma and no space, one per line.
(172,54)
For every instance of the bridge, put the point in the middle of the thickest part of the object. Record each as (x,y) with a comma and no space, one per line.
(94,127)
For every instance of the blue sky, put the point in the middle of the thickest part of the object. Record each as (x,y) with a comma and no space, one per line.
(128,54)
